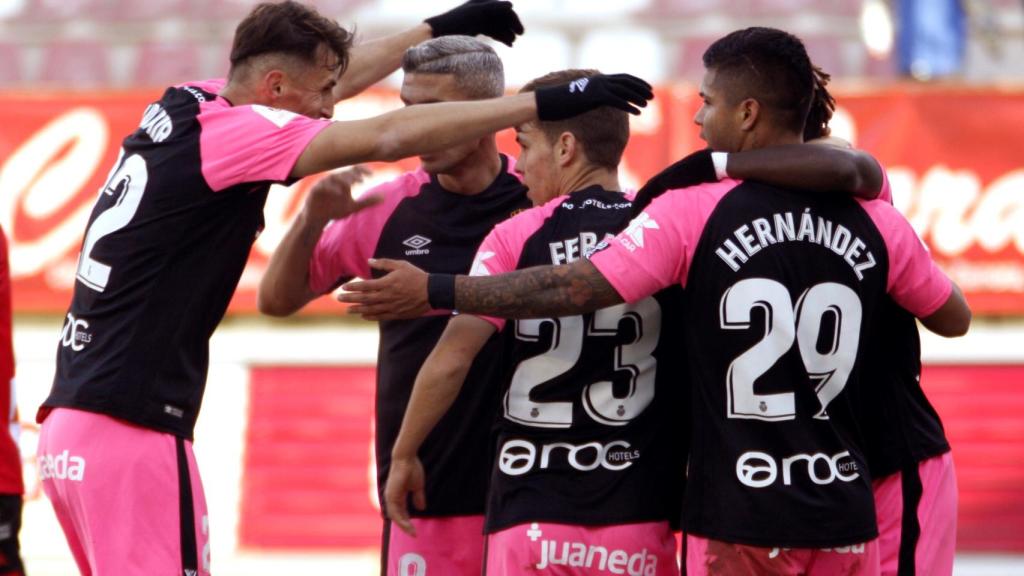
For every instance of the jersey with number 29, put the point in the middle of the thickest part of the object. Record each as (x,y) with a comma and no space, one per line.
(164,249)
(782,291)
(592,425)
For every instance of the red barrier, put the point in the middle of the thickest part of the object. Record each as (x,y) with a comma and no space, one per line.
(307,480)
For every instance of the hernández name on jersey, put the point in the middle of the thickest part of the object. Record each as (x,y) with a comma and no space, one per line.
(751,238)
(438,231)
(774,326)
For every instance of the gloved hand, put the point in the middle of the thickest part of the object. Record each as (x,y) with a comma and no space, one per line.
(488,17)
(697,168)
(622,91)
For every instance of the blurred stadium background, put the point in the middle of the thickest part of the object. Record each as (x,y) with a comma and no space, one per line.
(934,88)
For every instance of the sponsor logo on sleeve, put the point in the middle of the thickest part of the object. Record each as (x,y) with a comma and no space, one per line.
(276,116)
(479,267)
(633,236)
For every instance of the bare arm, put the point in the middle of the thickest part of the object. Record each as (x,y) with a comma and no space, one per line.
(953,318)
(538,292)
(433,127)
(820,165)
(284,288)
(437,385)
(371,61)
(411,131)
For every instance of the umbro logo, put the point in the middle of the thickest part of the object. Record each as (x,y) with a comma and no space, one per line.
(418,244)
(190,572)
(578,85)
(635,231)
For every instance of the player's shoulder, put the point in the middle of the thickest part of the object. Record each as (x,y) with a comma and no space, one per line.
(698,195)
(404,185)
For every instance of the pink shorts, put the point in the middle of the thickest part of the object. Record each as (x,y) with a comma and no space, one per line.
(647,549)
(129,499)
(714,557)
(451,546)
(917,518)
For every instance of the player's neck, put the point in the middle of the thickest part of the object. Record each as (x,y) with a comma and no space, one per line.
(770,137)
(238,94)
(588,176)
(475,174)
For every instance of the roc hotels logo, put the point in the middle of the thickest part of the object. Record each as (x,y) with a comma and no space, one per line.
(593,558)
(418,244)
(61,467)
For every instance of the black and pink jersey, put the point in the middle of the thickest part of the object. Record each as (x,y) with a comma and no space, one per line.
(783,293)
(899,426)
(438,231)
(590,430)
(166,243)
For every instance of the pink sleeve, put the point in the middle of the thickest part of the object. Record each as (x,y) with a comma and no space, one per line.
(915,282)
(251,143)
(501,249)
(346,245)
(656,249)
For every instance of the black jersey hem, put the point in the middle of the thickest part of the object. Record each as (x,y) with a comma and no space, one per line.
(132,419)
(492,527)
(861,538)
(918,456)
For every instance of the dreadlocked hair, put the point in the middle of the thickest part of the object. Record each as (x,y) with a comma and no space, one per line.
(822,107)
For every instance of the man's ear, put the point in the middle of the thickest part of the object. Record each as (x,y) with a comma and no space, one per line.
(566,149)
(271,85)
(749,111)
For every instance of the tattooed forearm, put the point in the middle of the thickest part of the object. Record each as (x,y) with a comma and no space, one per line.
(539,292)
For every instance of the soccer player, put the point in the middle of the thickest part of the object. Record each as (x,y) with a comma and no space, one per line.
(589,453)
(782,291)
(12,487)
(435,216)
(904,443)
(165,245)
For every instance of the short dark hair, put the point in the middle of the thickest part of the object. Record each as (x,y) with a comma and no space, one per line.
(767,65)
(291,29)
(604,131)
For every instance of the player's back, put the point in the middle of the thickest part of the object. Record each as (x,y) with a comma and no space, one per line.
(782,291)
(592,426)
(166,243)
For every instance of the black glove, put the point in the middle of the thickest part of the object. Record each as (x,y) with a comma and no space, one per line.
(622,91)
(697,168)
(488,17)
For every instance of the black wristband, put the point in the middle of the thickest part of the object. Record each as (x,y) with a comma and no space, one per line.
(441,291)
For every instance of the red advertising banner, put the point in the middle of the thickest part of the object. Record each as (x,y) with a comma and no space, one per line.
(951,154)
(308,480)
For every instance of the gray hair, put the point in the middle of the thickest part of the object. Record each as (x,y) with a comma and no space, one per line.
(476,67)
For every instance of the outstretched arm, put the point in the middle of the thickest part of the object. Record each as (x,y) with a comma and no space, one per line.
(437,385)
(284,288)
(371,61)
(428,128)
(538,292)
